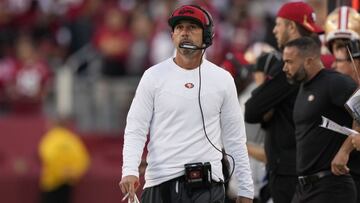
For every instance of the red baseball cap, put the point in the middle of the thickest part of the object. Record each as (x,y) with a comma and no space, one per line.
(188,12)
(301,13)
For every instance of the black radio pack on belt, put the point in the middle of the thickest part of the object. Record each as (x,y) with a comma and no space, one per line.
(198,175)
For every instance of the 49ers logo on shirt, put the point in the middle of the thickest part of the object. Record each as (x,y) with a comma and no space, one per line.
(189,85)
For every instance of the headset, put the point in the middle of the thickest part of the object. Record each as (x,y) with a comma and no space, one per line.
(271,58)
(208,31)
(354,48)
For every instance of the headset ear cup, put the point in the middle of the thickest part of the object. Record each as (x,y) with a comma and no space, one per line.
(208,31)
(208,34)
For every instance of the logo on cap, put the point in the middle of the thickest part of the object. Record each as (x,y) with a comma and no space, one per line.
(307,24)
(311,98)
(186,10)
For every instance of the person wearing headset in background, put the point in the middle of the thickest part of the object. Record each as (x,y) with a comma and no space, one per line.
(342,26)
(272,103)
(190,109)
(322,92)
(342,29)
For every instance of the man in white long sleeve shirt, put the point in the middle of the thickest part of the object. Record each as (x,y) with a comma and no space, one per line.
(190,109)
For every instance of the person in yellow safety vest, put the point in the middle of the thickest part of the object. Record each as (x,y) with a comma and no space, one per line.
(64,160)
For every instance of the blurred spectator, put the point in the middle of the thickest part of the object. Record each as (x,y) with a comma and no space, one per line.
(114,40)
(31,81)
(82,18)
(113,90)
(161,45)
(141,29)
(239,68)
(64,161)
(104,100)
(7,73)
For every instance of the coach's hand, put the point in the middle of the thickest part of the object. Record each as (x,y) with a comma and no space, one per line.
(129,184)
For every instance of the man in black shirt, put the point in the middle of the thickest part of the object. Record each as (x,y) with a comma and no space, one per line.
(322,93)
(271,104)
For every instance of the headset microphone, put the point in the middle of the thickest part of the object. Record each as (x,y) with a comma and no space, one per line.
(190,46)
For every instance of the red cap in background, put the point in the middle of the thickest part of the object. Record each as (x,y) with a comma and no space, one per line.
(301,13)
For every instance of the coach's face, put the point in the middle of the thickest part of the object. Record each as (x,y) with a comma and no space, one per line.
(294,67)
(187,32)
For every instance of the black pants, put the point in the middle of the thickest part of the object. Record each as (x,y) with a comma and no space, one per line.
(357,184)
(282,187)
(176,191)
(61,194)
(330,189)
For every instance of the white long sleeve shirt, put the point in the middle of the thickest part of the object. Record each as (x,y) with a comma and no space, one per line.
(166,106)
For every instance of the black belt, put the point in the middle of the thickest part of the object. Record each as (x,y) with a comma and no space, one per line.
(181,179)
(311,179)
(165,188)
